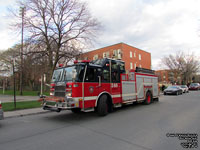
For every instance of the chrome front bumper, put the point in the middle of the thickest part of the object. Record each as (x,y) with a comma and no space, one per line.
(59,103)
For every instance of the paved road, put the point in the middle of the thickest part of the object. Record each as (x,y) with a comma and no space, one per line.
(135,127)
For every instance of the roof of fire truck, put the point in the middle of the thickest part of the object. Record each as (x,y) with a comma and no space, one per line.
(97,63)
(102,62)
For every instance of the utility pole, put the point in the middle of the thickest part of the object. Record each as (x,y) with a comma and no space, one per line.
(14,82)
(22,12)
(41,89)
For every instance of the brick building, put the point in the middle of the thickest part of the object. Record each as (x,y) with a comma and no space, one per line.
(163,76)
(169,77)
(133,57)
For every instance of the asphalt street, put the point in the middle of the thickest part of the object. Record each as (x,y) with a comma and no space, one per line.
(134,127)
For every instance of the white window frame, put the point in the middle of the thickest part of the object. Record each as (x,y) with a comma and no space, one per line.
(107,54)
(119,54)
(131,65)
(114,53)
(140,57)
(131,54)
(95,57)
(104,55)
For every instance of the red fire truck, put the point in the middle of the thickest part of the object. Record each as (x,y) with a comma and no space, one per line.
(99,85)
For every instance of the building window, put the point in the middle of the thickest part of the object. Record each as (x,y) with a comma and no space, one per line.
(106,54)
(119,55)
(140,57)
(134,54)
(131,65)
(115,53)
(140,66)
(135,65)
(131,55)
(95,57)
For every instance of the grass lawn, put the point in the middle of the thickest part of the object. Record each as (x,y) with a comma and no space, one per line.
(25,93)
(9,106)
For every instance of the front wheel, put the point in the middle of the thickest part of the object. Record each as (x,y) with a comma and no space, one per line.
(177,93)
(102,106)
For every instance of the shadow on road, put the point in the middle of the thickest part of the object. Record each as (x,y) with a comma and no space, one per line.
(68,116)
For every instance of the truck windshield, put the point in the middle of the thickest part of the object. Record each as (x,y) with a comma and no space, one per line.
(57,75)
(72,73)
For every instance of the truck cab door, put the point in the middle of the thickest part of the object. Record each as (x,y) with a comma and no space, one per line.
(91,87)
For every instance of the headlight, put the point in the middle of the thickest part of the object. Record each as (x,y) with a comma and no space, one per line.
(51,93)
(69,94)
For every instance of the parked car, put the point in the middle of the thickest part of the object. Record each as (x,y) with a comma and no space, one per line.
(1,112)
(174,89)
(184,88)
(194,86)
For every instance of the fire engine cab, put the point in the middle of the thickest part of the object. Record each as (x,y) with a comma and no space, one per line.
(99,85)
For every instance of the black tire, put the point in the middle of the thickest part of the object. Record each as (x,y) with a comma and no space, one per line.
(148,98)
(76,110)
(165,93)
(177,93)
(102,106)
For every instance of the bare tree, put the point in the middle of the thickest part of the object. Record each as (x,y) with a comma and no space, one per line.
(182,66)
(57,28)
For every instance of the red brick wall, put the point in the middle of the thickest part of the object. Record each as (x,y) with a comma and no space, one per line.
(163,76)
(145,61)
(100,51)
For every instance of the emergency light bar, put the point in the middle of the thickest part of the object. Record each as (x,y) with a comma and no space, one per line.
(61,65)
(81,61)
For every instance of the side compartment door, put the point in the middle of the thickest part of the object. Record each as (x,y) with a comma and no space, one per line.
(140,87)
(155,87)
(128,87)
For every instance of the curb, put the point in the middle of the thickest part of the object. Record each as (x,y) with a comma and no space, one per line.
(24,114)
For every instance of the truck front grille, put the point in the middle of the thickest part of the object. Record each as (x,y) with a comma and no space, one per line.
(60,94)
(60,91)
(60,88)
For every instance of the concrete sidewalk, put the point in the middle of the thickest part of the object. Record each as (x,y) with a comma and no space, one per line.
(24,112)
(10,98)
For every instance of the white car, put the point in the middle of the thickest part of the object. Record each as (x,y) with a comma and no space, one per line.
(184,88)
(1,112)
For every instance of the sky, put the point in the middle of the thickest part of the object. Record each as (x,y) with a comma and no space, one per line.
(161,27)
